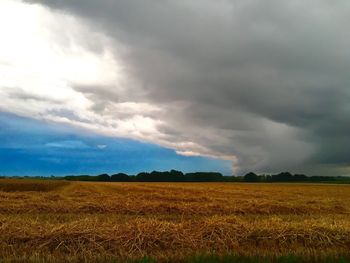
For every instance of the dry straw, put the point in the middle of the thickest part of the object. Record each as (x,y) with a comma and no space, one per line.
(53,221)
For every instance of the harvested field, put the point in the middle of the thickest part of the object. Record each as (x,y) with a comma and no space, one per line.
(171,222)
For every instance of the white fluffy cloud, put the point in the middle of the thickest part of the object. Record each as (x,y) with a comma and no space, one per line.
(45,55)
(42,56)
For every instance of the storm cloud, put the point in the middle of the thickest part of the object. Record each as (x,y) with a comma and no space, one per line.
(264,84)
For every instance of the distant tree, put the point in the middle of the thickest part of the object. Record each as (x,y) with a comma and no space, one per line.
(156,176)
(204,177)
(142,177)
(103,178)
(176,176)
(283,177)
(322,178)
(120,177)
(300,177)
(268,178)
(251,177)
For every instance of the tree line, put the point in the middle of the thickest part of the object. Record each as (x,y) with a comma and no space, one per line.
(155,176)
(288,177)
(178,176)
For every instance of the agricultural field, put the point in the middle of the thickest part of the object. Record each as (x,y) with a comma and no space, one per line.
(59,221)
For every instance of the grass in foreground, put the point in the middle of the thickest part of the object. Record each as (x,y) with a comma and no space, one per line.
(48,221)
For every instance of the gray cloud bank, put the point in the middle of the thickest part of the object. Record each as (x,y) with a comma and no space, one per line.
(263,83)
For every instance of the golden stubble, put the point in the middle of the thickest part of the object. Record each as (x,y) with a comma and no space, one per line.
(74,221)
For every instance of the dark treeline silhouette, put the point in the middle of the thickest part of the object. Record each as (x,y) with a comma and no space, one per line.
(178,176)
(281,177)
(288,177)
(155,176)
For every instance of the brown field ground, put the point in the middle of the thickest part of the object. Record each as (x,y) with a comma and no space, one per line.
(58,221)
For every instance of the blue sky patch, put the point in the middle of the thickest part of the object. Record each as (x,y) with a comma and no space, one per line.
(33,147)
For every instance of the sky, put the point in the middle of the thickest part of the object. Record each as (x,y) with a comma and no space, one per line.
(228,85)
(37,148)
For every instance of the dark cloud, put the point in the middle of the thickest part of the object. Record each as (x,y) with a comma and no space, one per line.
(263,81)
